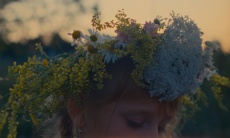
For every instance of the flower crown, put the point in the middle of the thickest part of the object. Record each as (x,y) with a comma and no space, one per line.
(168,64)
(172,63)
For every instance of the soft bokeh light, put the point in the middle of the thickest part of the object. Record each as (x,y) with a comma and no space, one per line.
(30,19)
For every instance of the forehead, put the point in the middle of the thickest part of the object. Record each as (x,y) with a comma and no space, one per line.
(132,97)
(136,98)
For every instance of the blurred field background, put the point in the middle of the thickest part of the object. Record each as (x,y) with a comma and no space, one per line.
(26,22)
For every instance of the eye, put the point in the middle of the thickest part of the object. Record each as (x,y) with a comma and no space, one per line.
(134,124)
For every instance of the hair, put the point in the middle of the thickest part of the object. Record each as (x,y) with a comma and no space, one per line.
(60,124)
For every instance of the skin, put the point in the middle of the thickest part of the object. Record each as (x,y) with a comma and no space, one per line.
(135,115)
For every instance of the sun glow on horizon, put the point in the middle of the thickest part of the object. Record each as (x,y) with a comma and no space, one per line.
(30,19)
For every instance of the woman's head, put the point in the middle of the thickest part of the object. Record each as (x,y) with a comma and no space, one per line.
(122,108)
(149,72)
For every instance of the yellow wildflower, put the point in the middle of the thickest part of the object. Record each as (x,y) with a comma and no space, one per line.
(45,62)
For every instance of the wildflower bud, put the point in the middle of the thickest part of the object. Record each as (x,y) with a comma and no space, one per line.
(76,34)
(45,62)
(91,49)
(156,21)
(93,38)
(111,47)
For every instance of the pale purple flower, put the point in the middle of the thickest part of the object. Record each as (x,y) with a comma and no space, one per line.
(122,37)
(151,28)
(133,23)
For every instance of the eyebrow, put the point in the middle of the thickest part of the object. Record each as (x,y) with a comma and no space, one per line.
(139,112)
(142,110)
(147,113)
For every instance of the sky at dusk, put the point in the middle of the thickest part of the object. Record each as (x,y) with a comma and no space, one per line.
(29,19)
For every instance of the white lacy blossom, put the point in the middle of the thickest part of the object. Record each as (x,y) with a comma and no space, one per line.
(178,61)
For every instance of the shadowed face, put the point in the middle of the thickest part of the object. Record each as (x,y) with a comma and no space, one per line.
(135,115)
(122,109)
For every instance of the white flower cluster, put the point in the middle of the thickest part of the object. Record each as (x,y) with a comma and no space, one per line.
(210,69)
(178,62)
